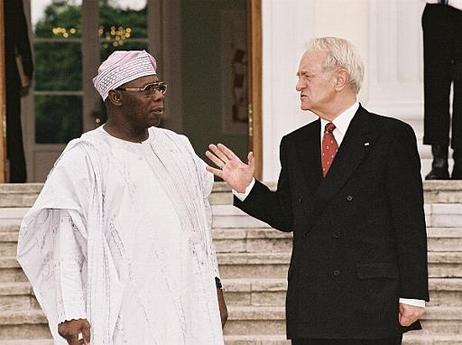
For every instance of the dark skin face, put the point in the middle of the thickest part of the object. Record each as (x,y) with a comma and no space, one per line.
(130,113)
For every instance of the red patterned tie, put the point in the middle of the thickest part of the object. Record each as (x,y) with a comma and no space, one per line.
(329,148)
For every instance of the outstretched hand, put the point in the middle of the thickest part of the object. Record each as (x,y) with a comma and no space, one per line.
(231,169)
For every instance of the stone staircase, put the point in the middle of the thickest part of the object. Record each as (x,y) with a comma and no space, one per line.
(253,262)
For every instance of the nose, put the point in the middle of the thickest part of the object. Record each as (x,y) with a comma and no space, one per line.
(301,84)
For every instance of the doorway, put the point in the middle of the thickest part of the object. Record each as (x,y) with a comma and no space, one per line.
(204,49)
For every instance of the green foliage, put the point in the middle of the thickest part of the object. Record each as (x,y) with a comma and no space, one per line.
(58,119)
(64,14)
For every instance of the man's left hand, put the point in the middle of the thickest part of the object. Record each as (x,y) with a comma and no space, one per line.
(408,314)
(222,306)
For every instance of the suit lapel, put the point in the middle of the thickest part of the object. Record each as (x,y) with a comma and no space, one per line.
(355,146)
(309,155)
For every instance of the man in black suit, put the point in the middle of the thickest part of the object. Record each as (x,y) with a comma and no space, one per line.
(442,47)
(351,192)
(17,45)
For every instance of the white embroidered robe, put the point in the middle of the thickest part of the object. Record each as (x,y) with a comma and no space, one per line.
(133,222)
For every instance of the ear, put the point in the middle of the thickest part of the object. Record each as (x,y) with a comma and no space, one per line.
(342,79)
(115,98)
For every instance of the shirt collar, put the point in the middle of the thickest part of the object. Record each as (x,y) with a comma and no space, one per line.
(342,121)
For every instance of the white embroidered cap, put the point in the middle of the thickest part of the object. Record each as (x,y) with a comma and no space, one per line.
(121,67)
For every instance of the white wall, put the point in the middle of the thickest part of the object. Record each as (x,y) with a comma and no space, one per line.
(287,26)
(387,34)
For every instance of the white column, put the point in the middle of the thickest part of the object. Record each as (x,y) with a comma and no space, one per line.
(287,26)
(396,64)
(395,59)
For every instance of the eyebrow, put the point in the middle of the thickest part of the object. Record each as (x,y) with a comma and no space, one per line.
(149,83)
(304,72)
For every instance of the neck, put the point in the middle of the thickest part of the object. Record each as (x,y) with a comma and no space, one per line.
(125,132)
(336,108)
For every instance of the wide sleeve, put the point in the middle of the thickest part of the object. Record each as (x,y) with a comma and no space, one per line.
(69,187)
(69,260)
(205,180)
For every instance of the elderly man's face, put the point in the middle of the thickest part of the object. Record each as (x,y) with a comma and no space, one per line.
(144,109)
(316,86)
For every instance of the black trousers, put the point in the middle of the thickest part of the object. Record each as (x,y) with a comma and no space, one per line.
(387,341)
(14,142)
(442,39)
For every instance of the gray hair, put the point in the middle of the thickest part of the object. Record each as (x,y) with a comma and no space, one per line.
(340,53)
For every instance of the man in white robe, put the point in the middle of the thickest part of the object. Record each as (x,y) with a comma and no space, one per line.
(118,245)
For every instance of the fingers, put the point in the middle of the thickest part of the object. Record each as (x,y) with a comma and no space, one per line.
(217,161)
(218,152)
(73,339)
(86,334)
(216,172)
(227,152)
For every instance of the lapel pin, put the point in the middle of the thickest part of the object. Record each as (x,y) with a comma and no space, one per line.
(366,144)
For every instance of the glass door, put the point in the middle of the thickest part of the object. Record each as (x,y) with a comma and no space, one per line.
(69,40)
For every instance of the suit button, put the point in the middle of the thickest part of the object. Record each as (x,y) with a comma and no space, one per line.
(300,200)
(337,234)
(336,273)
(349,197)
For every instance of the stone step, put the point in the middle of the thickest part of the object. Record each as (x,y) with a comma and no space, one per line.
(272,292)
(240,292)
(19,324)
(437,214)
(275,265)
(423,338)
(444,239)
(10,271)
(265,265)
(264,240)
(271,320)
(255,340)
(17,296)
(229,240)
(27,342)
(248,321)
(228,216)
(442,191)
(412,338)
(19,194)
(24,194)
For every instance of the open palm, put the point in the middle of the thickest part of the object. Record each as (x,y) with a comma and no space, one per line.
(231,169)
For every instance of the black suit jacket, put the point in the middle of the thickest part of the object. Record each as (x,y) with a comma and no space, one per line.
(359,239)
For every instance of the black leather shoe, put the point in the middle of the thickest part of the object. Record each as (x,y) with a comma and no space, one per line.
(438,174)
(457,169)
(440,170)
